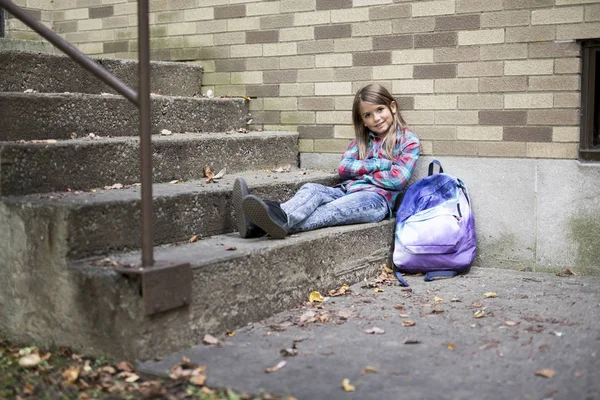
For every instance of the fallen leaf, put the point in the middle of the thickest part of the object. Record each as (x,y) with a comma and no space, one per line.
(132,378)
(193,239)
(437,311)
(30,360)
(220,174)
(345,314)
(276,367)
(411,341)
(339,291)
(559,334)
(401,308)
(455,299)
(566,272)
(115,186)
(477,305)
(408,323)
(166,132)
(404,315)
(28,388)
(490,295)
(451,346)
(436,298)
(198,380)
(378,289)
(315,296)
(124,366)
(288,352)
(347,386)
(174,182)
(387,269)
(230,333)
(71,374)
(287,168)
(308,316)
(208,174)
(370,369)
(209,339)
(374,331)
(479,314)
(545,372)
(510,323)
(73,135)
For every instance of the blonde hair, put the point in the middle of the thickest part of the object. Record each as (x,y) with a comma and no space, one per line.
(375,94)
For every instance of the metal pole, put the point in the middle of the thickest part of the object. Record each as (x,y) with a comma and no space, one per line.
(71,51)
(145,138)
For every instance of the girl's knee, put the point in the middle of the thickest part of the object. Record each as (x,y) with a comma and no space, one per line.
(313,187)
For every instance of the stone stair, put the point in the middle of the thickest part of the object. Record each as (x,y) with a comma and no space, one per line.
(66,225)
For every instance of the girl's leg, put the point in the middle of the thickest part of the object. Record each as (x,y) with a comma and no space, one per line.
(307,200)
(353,208)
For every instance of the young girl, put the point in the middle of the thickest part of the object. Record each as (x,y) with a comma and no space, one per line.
(375,168)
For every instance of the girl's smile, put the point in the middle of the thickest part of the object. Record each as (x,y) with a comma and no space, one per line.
(378,117)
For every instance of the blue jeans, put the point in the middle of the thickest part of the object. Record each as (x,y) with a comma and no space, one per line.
(316,206)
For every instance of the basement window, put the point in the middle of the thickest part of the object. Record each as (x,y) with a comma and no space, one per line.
(589,144)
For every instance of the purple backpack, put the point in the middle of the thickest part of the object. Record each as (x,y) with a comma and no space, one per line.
(435,229)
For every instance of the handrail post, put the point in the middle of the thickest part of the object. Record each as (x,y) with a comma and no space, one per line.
(145,138)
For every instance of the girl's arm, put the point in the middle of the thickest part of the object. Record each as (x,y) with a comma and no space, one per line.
(351,167)
(398,174)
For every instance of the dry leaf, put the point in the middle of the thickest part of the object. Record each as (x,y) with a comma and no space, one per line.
(315,296)
(30,360)
(347,386)
(28,388)
(490,295)
(437,311)
(115,186)
(230,333)
(308,316)
(408,323)
(193,239)
(404,315)
(479,314)
(455,299)
(451,346)
(198,380)
(510,323)
(287,168)
(277,367)
(132,378)
(546,372)
(477,305)
(176,181)
(401,308)
(436,298)
(209,339)
(71,374)
(370,369)
(374,331)
(166,132)
(73,135)
(339,291)
(208,174)
(411,341)
(345,314)
(566,272)
(220,174)
(124,366)
(378,289)
(288,352)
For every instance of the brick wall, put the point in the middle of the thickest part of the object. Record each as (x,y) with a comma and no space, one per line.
(39,9)
(496,78)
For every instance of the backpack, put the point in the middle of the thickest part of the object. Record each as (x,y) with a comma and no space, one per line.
(435,229)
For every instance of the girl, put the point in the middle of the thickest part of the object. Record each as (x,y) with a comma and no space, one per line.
(375,168)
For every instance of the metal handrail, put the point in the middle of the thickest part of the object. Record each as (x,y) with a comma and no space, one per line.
(141,99)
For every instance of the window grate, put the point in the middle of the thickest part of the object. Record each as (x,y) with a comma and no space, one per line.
(589,145)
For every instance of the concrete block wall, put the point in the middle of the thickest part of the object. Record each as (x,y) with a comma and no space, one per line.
(39,9)
(484,78)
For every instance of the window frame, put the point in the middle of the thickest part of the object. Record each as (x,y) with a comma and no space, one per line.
(590,50)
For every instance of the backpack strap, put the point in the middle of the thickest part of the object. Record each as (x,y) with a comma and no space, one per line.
(433,275)
(439,164)
(399,277)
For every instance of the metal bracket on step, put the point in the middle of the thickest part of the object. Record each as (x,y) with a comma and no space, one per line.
(164,286)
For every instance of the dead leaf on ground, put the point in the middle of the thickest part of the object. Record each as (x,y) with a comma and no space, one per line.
(288,352)
(73,135)
(374,331)
(408,323)
(209,174)
(132,378)
(437,299)
(411,341)
(230,333)
(404,316)
(339,291)
(276,367)
(30,360)
(71,374)
(545,372)
(124,366)
(174,182)
(315,296)
(370,369)
(166,132)
(345,314)
(220,174)
(489,295)
(566,272)
(455,300)
(287,168)
(510,323)
(210,339)
(477,305)
(115,186)
(479,314)
(193,239)
(401,308)
(451,346)
(198,380)
(347,386)
(437,311)
(378,290)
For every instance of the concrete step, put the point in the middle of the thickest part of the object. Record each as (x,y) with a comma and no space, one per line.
(83,164)
(57,116)
(57,73)
(10,44)
(89,223)
(235,281)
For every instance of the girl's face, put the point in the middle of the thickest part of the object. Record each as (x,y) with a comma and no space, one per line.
(378,118)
